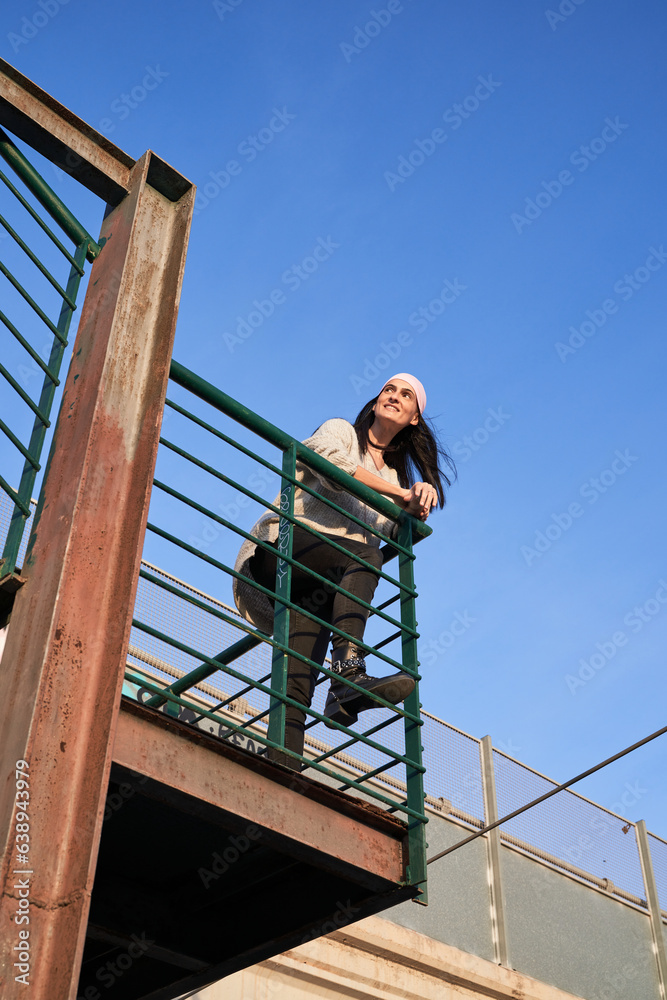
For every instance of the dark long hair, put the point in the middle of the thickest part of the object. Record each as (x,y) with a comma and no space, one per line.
(415,453)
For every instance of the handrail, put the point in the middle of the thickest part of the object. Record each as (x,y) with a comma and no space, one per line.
(47,196)
(276,697)
(269,432)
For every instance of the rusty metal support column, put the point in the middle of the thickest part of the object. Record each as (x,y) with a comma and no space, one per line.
(67,641)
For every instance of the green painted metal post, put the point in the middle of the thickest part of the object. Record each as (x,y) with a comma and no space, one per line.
(203,671)
(19,518)
(47,196)
(66,648)
(283,589)
(416,873)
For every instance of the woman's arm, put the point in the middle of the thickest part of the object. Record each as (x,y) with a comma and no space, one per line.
(336,440)
(418,500)
(395,492)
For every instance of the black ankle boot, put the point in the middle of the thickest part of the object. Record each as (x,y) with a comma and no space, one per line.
(344,703)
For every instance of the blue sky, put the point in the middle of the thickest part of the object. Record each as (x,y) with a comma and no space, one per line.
(485,184)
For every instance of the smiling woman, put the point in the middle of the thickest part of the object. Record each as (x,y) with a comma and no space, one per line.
(391,449)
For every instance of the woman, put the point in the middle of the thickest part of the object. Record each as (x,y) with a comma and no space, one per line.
(389,443)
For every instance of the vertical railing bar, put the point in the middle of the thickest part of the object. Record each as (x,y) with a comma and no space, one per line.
(29,299)
(40,222)
(264,429)
(276,730)
(345,746)
(13,495)
(245,534)
(26,346)
(653,904)
(414,782)
(37,262)
(272,596)
(18,519)
(493,855)
(262,500)
(357,782)
(23,394)
(177,700)
(19,445)
(47,196)
(233,697)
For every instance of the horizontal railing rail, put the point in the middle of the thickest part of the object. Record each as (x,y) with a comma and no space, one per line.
(47,197)
(269,691)
(19,486)
(264,429)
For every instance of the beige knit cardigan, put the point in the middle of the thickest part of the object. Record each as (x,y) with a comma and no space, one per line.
(335,440)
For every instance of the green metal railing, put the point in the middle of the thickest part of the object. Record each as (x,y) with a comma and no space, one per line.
(30,448)
(268,725)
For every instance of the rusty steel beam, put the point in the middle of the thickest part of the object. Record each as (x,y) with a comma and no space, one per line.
(73,145)
(67,641)
(345,834)
(50,128)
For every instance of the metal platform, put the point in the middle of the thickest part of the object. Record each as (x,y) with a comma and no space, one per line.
(193,829)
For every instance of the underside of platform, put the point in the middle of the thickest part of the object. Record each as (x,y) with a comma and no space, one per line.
(212,859)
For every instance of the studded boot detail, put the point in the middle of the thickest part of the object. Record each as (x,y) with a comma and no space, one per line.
(344,703)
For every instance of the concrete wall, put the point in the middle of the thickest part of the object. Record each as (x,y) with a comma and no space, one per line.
(376,958)
(564,939)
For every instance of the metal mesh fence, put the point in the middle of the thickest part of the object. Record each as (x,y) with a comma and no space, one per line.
(453,770)
(168,612)
(192,625)
(589,839)
(6,509)
(567,831)
(659,857)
